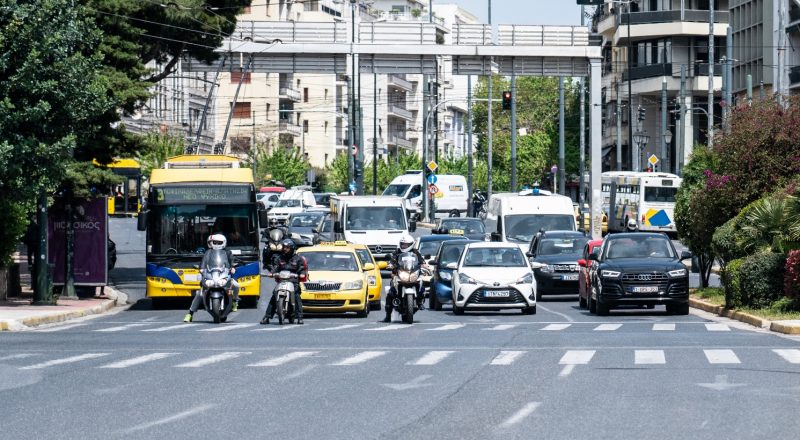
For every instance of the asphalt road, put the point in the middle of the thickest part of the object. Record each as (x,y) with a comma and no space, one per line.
(560,374)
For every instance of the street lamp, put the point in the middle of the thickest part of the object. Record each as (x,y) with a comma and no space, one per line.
(641,138)
(667,142)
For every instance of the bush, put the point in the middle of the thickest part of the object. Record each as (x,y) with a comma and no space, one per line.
(731,281)
(791,279)
(761,279)
(726,242)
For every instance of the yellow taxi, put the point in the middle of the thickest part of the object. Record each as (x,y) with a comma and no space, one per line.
(374,283)
(340,279)
(587,219)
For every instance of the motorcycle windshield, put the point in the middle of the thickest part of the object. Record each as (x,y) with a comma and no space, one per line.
(407,261)
(276,235)
(216,259)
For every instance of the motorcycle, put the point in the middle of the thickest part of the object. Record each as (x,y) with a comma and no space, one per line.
(405,281)
(273,238)
(284,295)
(215,286)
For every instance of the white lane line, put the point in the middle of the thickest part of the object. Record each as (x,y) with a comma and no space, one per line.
(607,327)
(121,327)
(577,357)
(138,360)
(225,328)
(338,327)
(664,327)
(717,328)
(17,356)
(360,358)
(432,358)
(212,359)
(520,415)
(67,360)
(791,356)
(58,328)
(506,357)
(566,317)
(501,327)
(388,328)
(649,357)
(170,419)
(567,370)
(275,328)
(280,360)
(170,327)
(445,327)
(556,327)
(721,357)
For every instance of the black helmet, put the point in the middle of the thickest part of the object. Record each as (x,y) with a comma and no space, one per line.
(288,247)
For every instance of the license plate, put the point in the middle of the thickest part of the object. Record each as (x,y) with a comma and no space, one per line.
(644,289)
(191,277)
(496,294)
(322,296)
(569,277)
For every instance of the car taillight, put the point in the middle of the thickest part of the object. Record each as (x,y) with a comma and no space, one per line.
(642,218)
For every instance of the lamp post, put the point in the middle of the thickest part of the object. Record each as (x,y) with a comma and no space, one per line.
(667,141)
(641,138)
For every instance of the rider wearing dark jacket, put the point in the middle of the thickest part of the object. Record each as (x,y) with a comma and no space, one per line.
(406,245)
(287,259)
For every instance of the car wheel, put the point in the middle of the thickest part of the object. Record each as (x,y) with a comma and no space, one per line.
(529,310)
(681,309)
(457,310)
(375,305)
(364,313)
(602,308)
(592,304)
(581,302)
(538,295)
(432,300)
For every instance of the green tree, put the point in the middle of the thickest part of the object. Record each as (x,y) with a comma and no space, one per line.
(283,164)
(336,177)
(157,148)
(770,225)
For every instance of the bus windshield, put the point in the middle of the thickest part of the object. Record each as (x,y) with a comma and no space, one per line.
(363,218)
(396,190)
(660,194)
(184,229)
(521,228)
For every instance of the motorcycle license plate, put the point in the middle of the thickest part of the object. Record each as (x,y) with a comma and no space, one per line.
(569,277)
(496,294)
(644,289)
(322,296)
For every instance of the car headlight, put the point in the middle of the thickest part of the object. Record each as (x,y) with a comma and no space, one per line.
(464,279)
(677,273)
(610,274)
(527,279)
(353,285)
(447,276)
(547,268)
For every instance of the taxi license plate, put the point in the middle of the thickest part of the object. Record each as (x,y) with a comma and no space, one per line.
(496,294)
(569,277)
(644,289)
(322,296)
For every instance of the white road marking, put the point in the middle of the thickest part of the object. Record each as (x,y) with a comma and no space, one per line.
(388,328)
(607,327)
(225,328)
(721,357)
(649,357)
(138,360)
(212,359)
(67,360)
(432,358)
(360,358)
(502,327)
(566,317)
(556,327)
(170,419)
(170,327)
(506,357)
(445,327)
(58,328)
(577,357)
(121,327)
(567,370)
(280,360)
(791,356)
(717,328)
(276,328)
(305,370)
(663,327)
(17,356)
(520,415)
(338,327)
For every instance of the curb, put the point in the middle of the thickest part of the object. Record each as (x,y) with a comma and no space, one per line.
(778,327)
(115,298)
(786,329)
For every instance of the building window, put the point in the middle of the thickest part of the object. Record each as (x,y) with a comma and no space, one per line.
(305,125)
(242,110)
(326,128)
(326,95)
(236,77)
(268,111)
(305,94)
(311,5)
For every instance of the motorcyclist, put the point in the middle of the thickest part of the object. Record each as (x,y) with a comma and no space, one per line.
(218,242)
(478,200)
(273,237)
(632,226)
(287,259)
(406,245)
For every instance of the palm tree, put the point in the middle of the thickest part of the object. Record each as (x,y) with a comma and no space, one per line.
(772,224)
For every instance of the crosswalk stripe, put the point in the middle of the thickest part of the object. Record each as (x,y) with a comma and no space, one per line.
(506,357)
(432,358)
(17,356)
(501,327)
(170,327)
(225,328)
(276,328)
(338,327)
(607,327)
(446,327)
(360,358)
(138,360)
(58,328)
(717,328)
(121,327)
(202,362)
(388,327)
(556,327)
(721,357)
(663,327)
(791,356)
(280,360)
(67,360)
(577,357)
(649,357)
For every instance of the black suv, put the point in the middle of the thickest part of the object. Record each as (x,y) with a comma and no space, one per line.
(639,269)
(554,258)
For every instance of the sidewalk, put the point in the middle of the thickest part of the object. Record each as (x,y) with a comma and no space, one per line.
(18,314)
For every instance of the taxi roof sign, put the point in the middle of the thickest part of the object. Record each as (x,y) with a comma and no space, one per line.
(334,243)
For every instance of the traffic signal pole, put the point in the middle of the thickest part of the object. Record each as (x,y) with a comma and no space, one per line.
(513,129)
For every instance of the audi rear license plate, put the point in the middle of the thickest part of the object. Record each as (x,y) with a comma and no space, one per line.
(644,289)
(569,277)
(496,294)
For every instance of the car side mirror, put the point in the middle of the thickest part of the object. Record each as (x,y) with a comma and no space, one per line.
(582,262)
(382,265)
(412,226)
(529,254)
(495,236)
(594,257)
(432,262)
(686,255)
(452,266)
(369,266)
(141,221)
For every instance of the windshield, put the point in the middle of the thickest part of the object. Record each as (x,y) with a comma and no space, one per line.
(494,257)
(562,246)
(304,220)
(522,227)
(331,261)
(216,259)
(396,190)
(429,247)
(451,253)
(363,218)
(322,199)
(639,247)
(184,229)
(660,194)
(407,261)
(288,203)
(468,226)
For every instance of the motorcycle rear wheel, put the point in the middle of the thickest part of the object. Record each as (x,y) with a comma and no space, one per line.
(279,305)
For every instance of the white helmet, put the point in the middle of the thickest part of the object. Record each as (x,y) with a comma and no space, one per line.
(406,241)
(632,226)
(217,241)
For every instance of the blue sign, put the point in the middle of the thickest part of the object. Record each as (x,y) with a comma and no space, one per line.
(352,186)
(432,179)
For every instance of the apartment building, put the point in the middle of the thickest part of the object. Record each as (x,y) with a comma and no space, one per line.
(657,38)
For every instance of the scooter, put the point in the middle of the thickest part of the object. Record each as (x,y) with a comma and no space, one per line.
(215,286)
(406,283)
(284,295)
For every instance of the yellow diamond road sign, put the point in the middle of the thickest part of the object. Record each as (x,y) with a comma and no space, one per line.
(432,166)
(652,159)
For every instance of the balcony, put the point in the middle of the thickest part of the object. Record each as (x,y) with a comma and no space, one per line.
(650,71)
(400,83)
(286,92)
(794,76)
(688,15)
(286,127)
(399,141)
(400,112)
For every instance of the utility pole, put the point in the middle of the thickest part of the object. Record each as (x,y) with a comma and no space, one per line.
(582,165)
(710,74)
(682,115)
(619,130)
(663,163)
(561,150)
(489,118)
(630,94)
(361,144)
(425,142)
(513,128)
(749,89)
(469,146)
(202,123)
(374,133)
(235,98)
(781,51)
(351,98)
(43,289)
(729,70)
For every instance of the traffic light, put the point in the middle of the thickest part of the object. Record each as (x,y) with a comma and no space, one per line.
(677,110)
(507,100)
(358,170)
(641,110)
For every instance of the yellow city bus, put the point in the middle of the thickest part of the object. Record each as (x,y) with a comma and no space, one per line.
(125,199)
(192,197)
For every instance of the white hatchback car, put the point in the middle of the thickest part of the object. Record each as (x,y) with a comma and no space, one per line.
(493,276)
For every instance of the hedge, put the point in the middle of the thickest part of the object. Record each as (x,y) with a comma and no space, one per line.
(731,281)
(761,279)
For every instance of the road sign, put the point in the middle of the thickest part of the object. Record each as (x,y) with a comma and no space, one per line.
(352,187)
(433,189)
(433,166)
(653,160)
(432,179)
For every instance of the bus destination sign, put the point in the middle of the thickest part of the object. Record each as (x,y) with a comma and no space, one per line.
(203,194)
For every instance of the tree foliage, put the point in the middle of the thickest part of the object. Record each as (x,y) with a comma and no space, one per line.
(282,164)
(157,148)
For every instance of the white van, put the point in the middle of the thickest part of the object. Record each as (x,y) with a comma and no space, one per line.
(375,221)
(291,202)
(517,217)
(451,200)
